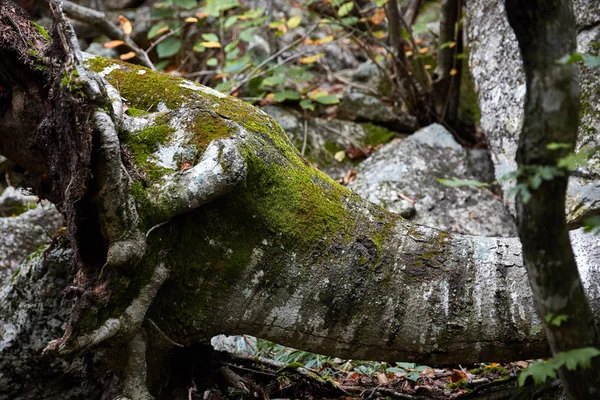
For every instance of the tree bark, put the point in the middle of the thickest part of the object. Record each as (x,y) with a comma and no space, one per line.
(239,235)
(546,32)
(447,75)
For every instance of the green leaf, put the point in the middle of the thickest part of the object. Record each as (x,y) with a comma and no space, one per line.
(214,7)
(247,35)
(153,32)
(591,61)
(168,47)
(413,376)
(574,160)
(162,65)
(345,9)
(327,99)
(210,37)
(41,30)
(294,21)
(406,365)
(592,225)
(231,46)
(395,369)
(272,81)
(556,320)
(199,47)
(187,4)
(556,146)
(456,182)
(230,21)
(212,62)
(419,28)
(237,66)
(286,95)
(307,104)
(349,21)
(539,371)
(573,359)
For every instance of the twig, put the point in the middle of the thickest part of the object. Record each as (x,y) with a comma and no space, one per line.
(248,369)
(99,20)
(305,135)
(271,58)
(174,343)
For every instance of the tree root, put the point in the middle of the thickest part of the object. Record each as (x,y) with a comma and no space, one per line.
(126,325)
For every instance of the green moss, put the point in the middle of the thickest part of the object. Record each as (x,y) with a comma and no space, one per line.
(377,134)
(143,144)
(134,112)
(458,385)
(294,198)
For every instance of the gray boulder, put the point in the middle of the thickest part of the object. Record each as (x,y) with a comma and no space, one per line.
(321,139)
(500,84)
(403,177)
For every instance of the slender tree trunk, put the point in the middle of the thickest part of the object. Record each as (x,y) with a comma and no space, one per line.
(545,30)
(446,79)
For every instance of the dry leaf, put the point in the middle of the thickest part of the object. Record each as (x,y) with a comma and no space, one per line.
(211,45)
(111,44)
(310,59)
(429,373)
(378,17)
(408,53)
(127,56)
(202,14)
(457,375)
(382,379)
(522,364)
(125,25)
(453,72)
(191,20)
(423,50)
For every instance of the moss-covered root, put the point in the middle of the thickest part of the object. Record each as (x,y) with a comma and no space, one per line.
(118,214)
(221,168)
(127,324)
(135,387)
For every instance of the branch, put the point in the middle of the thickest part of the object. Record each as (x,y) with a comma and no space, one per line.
(100,21)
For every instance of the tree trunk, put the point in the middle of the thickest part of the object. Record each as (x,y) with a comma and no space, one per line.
(545,30)
(196,217)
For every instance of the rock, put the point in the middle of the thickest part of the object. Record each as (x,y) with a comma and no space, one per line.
(500,84)
(403,172)
(22,234)
(358,106)
(324,138)
(98,50)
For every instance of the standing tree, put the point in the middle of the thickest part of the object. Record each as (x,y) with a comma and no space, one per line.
(546,33)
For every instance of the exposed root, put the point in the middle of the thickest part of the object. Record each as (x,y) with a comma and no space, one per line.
(135,377)
(125,325)
(118,217)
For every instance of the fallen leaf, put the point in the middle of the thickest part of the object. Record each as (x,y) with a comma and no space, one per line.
(211,45)
(111,44)
(423,50)
(457,375)
(125,25)
(191,20)
(429,373)
(127,56)
(522,364)
(382,379)
(340,156)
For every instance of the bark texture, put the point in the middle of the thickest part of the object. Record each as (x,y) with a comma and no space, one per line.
(499,80)
(546,32)
(242,235)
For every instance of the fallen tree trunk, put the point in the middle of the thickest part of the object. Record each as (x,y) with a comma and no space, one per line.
(203,219)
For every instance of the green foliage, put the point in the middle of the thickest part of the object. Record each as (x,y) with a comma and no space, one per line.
(41,30)
(572,359)
(585,59)
(556,320)
(592,225)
